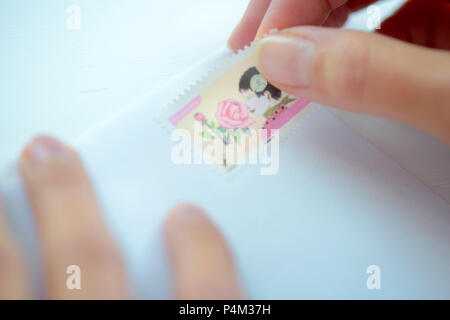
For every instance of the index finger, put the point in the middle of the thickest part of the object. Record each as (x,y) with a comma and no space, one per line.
(290,13)
(245,31)
(262,16)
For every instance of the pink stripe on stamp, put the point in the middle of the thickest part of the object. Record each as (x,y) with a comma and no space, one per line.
(287,115)
(194,103)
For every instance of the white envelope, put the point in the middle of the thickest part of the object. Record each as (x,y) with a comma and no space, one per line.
(336,207)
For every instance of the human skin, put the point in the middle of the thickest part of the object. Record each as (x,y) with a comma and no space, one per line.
(357,71)
(72,232)
(400,72)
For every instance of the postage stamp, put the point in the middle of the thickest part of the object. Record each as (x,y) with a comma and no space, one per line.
(234,113)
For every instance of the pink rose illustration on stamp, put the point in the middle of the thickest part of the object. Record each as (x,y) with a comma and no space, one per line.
(232,114)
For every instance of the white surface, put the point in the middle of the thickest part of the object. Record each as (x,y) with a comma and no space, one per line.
(337,206)
(60,81)
(355,207)
(422,155)
(57,81)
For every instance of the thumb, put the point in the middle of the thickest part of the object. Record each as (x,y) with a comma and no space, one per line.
(361,72)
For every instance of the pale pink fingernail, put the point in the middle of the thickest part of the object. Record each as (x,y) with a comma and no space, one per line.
(287,60)
(186,212)
(43,149)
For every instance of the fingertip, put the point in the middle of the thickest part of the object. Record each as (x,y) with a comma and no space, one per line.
(245,31)
(185,212)
(286,59)
(201,261)
(240,37)
(181,221)
(232,44)
(45,148)
(65,208)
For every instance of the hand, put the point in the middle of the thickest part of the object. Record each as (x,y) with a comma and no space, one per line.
(353,70)
(72,232)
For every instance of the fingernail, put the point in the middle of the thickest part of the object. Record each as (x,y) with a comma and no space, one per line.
(187,212)
(287,60)
(43,149)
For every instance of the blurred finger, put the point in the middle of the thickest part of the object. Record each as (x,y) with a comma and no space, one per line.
(70,225)
(262,16)
(13,276)
(362,72)
(202,263)
(283,14)
(245,31)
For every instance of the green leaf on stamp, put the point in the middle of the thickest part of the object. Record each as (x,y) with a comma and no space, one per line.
(222,129)
(247,132)
(236,139)
(212,124)
(207,135)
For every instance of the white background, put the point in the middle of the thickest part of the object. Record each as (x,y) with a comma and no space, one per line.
(59,81)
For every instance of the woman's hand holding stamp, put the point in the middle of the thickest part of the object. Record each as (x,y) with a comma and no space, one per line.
(372,73)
